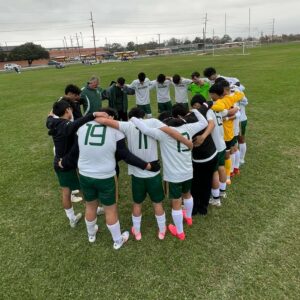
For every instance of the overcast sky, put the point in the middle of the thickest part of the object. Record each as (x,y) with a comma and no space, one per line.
(48,22)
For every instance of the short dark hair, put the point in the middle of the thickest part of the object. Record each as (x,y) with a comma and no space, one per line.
(222,81)
(121,80)
(71,88)
(142,76)
(209,72)
(176,78)
(217,88)
(59,107)
(110,111)
(179,109)
(161,78)
(198,99)
(195,74)
(136,112)
(165,115)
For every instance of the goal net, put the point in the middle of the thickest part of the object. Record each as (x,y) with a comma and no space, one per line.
(236,48)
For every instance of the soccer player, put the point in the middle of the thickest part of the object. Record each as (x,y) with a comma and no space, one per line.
(162,85)
(92,96)
(142,87)
(177,167)
(181,90)
(199,86)
(220,93)
(211,74)
(72,92)
(243,124)
(143,181)
(117,97)
(63,130)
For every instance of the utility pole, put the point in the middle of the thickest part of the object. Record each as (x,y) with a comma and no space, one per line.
(78,46)
(81,39)
(72,47)
(225,25)
(64,48)
(213,37)
(66,43)
(95,53)
(204,34)
(158,40)
(249,23)
(273,29)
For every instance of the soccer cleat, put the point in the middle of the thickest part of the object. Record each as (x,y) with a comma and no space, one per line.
(75,192)
(232,174)
(228,181)
(100,210)
(173,230)
(242,161)
(75,199)
(216,202)
(125,236)
(74,222)
(223,195)
(236,171)
(189,221)
(92,238)
(161,235)
(137,235)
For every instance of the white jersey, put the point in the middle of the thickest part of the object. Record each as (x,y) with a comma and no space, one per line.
(181,90)
(218,131)
(142,146)
(236,123)
(232,81)
(162,90)
(242,105)
(97,147)
(142,91)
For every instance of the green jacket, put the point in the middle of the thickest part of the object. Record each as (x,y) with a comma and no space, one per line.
(196,89)
(117,98)
(91,99)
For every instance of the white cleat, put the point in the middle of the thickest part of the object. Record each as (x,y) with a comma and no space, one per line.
(242,161)
(92,238)
(100,210)
(216,202)
(75,199)
(223,195)
(75,192)
(74,222)
(125,237)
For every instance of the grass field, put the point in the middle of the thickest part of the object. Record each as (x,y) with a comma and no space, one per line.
(247,249)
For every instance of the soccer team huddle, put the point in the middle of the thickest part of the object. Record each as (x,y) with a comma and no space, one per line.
(201,142)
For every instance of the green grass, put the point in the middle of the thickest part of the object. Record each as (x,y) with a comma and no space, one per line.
(248,249)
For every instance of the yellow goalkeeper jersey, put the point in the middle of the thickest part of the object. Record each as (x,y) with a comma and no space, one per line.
(226,103)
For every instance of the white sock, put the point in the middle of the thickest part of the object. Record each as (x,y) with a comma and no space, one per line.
(232,157)
(237,159)
(188,205)
(178,220)
(161,222)
(222,186)
(136,221)
(70,213)
(243,149)
(90,226)
(115,231)
(215,193)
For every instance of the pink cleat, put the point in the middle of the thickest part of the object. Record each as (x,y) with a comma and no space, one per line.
(173,230)
(161,235)
(189,221)
(137,235)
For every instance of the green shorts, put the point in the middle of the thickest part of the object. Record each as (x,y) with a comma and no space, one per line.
(243,127)
(167,106)
(221,160)
(176,189)
(186,105)
(103,190)
(230,144)
(143,186)
(146,108)
(68,179)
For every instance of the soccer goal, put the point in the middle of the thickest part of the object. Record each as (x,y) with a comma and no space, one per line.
(236,48)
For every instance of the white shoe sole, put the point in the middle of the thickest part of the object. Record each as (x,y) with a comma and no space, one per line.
(125,237)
